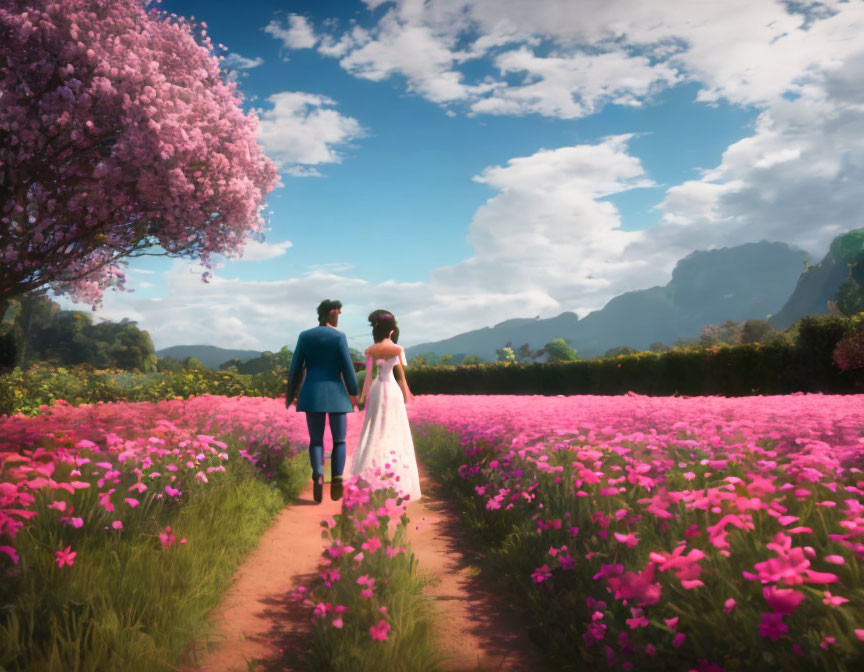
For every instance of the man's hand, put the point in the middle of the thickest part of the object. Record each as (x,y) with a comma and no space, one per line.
(354,401)
(293,403)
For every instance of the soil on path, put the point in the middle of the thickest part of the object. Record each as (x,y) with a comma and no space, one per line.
(477,628)
(256,619)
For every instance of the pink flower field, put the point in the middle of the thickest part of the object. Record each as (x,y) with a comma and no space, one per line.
(656,533)
(130,454)
(683,531)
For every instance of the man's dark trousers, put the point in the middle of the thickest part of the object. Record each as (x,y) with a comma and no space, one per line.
(315,424)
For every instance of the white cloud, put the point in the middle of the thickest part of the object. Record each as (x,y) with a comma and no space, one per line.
(301,131)
(254,250)
(298,35)
(619,51)
(238,62)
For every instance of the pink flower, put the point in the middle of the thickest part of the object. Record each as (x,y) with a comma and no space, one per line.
(541,574)
(379,631)
(372,545)
(10,551)
(167,537)
(782,600)
(117,524)
(859,633)
(629,539)
(772,626)
(833,600)
(638,619)
(671,622)
(828,641)
(639,587)
(64,557)
(131,502)
(729,605)
(337,622)
(835,559)
(678,640)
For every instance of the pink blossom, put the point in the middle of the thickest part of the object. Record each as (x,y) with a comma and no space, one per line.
(65,557)
(380,630)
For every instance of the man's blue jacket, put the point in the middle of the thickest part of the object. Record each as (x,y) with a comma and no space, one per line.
(323,352)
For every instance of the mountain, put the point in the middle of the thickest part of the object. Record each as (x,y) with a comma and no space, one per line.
(209,355)
(740,283)
(817,286)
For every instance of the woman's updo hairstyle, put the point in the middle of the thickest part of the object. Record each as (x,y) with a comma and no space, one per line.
(383,322)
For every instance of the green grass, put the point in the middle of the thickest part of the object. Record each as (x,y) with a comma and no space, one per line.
(128,604)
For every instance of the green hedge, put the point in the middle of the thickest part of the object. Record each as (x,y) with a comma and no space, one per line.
(804,363)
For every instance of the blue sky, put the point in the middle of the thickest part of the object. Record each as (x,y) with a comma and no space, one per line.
(464,162)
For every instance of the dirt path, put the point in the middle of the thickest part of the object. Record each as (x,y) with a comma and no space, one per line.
(256,620)
(475,626)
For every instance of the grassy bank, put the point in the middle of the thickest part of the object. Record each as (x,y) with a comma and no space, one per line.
(128,602)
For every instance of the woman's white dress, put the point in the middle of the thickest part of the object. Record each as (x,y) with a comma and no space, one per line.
(385,440)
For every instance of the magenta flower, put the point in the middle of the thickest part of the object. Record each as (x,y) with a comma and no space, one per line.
(541,574)
(65,557)
(379,631)
(833,600)
(782,600)
(729,605)
(772,626)
(166,537)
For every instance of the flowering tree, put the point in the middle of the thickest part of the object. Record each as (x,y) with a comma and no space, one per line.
(117,133)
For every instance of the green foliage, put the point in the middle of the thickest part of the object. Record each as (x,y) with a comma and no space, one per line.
(506,354)
(849,246)
(560,351)
(194,364)
(755,331)
(44,333)
(127,604)
(850,297)
(469,360)
(730,333)
(658,347)
(620,350)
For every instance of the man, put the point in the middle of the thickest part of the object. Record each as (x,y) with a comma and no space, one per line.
(323,351)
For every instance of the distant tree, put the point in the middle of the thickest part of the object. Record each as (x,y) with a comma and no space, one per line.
(431,359)
(231,365)
(850,297)
(620,350)
(560,351)
(684,342)
(446,359)
(525,354)
(168,364)
(470,359)
(757,331)
(358,359)
(506,353)
(659,347)
(283,357)
(193,363)
(730,333)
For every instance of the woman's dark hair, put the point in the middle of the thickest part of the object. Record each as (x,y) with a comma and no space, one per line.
(383,322)
(325,308)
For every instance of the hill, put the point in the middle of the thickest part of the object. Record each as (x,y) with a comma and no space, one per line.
(209,355)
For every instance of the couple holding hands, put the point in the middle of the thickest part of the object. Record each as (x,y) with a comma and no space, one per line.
(385,444)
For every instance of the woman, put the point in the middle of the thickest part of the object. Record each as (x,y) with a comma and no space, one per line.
(385,445)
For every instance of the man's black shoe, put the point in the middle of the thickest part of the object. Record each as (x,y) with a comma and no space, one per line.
(336,488)
(318,488)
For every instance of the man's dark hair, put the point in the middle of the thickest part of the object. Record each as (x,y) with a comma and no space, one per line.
(328,311)
(383,322)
